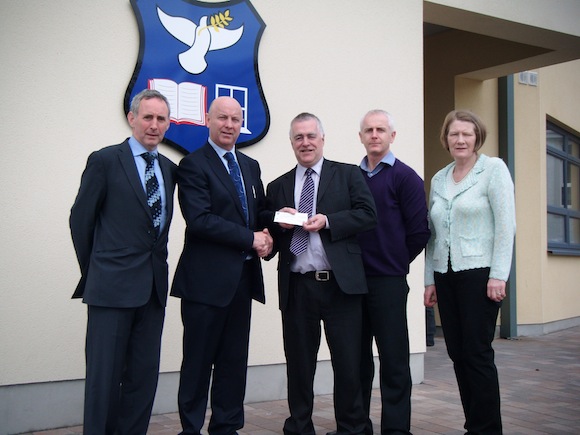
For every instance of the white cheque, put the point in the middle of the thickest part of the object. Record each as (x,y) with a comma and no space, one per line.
(289,218)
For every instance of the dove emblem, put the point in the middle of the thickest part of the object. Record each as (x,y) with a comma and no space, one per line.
(194,51)
(200,38)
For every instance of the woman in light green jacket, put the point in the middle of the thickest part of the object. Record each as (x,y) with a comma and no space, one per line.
(468,259)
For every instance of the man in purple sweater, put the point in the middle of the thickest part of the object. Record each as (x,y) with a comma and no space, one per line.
(400,235)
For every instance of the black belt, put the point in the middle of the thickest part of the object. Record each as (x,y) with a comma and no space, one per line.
(318,275)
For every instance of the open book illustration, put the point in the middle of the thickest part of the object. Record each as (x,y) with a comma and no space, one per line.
(187,100)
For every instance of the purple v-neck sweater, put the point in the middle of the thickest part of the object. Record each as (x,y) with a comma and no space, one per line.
(402,230)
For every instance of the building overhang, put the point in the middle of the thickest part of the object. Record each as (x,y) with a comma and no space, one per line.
(497,45)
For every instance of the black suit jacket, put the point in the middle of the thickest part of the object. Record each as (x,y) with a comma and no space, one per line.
(344,197)
(217,240)
(113,235)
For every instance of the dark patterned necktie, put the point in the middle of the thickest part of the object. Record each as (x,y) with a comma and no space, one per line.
(153,192)
(299,241)
(237,179)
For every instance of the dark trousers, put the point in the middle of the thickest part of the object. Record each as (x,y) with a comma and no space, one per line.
(430,326)
(311,302)
(123,347)
(215,337)
(385,319)
(468,319)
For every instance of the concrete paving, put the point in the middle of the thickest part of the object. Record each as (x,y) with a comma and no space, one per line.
(539,382)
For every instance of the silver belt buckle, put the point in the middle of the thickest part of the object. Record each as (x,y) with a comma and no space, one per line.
(322,275)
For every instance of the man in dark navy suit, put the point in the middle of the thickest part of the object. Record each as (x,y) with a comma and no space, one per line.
(219,272)
(119,231)
(321,278)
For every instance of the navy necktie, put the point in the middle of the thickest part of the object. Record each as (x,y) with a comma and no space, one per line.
(237,179)
(153,192)
(299,241)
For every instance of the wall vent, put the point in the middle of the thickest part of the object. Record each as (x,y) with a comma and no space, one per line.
(528,78)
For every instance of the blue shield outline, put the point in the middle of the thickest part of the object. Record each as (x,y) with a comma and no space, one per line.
(229,69)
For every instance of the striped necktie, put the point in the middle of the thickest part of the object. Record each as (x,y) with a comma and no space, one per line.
(153,192)
(299,241)
(237,179)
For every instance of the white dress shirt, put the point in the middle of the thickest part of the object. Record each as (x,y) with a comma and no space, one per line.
(314,258)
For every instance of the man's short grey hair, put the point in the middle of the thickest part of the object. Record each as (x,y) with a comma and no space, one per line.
(390,119)
(147,94)
(305,116)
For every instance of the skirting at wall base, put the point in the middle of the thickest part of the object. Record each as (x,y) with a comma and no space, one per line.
(546,328)
(41,406)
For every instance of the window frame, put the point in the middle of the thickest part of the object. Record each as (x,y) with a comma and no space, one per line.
(566,247)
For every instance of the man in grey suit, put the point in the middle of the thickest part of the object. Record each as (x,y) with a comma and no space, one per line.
(119,225)
(320,274)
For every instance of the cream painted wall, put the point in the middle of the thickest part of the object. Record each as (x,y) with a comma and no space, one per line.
(63,80)
(559,92)
(481,98)
(66,66)
(530,182)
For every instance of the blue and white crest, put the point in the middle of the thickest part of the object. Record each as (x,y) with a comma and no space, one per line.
(193,52)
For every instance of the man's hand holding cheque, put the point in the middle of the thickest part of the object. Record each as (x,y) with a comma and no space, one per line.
(289,217)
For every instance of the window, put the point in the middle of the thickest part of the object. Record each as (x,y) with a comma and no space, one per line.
(563,177)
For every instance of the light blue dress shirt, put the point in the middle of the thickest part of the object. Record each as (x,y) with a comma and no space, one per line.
(388,159)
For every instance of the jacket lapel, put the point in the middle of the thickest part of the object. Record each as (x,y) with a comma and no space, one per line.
(167,180)
(439,182)
(128,163)
(169,187)
(326,175)
(288,188)
(471,179)
(222,174)
(248,178)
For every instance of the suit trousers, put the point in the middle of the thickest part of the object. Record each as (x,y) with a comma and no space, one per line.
(385,319)
(468,320)
(311,302)
(123,348)
(218,338)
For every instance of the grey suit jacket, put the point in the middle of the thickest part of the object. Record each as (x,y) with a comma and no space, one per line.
(113,235)
(344,197)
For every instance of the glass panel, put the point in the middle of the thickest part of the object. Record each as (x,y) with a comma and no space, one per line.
(573,148)
(555,175)
(556,231)
(574,230)
(573,184)
(554,140)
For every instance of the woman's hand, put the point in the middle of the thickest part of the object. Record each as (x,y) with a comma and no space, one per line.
(496,289)
(430,296)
